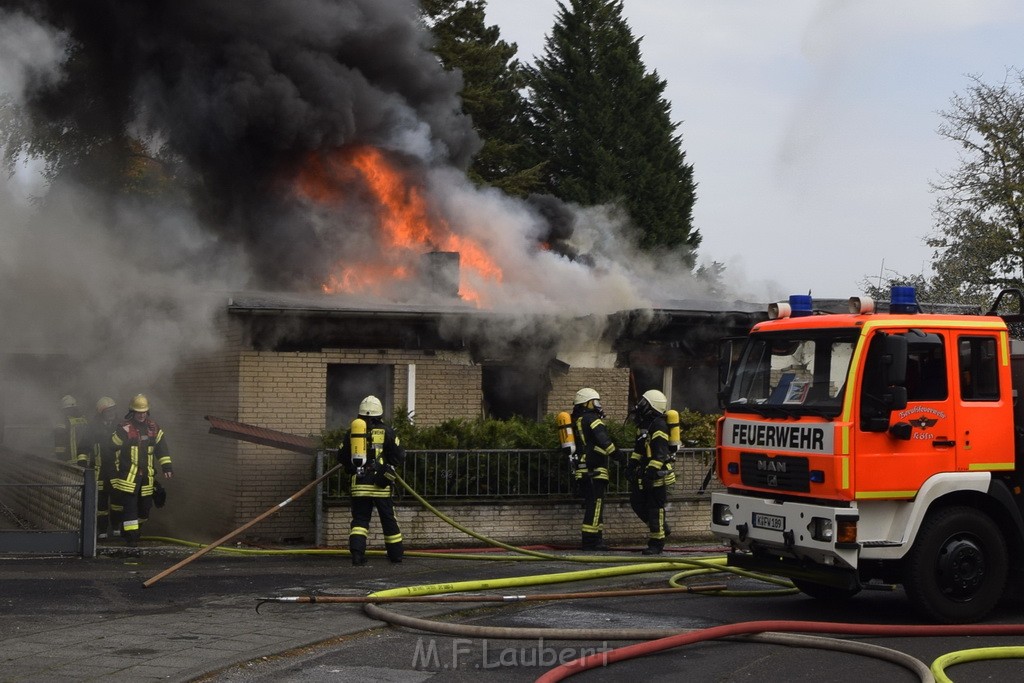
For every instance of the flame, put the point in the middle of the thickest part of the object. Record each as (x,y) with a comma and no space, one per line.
(407,227)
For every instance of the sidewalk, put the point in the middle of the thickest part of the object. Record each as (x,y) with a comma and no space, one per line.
(73,619)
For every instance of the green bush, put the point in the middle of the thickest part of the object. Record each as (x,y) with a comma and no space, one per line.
(456,473)
(698,430)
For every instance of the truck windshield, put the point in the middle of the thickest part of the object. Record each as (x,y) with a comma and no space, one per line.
(793,373)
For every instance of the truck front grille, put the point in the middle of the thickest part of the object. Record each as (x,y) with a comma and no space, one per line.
(781,472)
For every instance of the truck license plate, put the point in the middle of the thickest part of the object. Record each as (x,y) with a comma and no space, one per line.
(773,522)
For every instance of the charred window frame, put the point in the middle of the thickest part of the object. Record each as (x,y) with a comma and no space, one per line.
(514,391)
(350,383)
(978,368)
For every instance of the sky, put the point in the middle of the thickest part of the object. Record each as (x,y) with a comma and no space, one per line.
(811,125)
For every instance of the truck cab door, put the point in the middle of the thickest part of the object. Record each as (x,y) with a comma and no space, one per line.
(899,446)
(984,406)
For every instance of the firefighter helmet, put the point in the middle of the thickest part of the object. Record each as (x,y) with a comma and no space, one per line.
(371,407)
(655,400)
(139,404)
(586,395)
(105,403)
(68,402)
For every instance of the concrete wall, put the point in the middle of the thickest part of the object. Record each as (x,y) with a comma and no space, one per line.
(522,523)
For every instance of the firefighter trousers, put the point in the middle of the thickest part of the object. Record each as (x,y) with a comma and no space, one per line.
(593,490)
(648,503)
(362,512)
(135,509)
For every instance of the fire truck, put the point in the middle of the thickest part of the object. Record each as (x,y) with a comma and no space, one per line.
(868,449)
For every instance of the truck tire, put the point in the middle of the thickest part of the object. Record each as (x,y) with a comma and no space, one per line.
(820,591)
(956,570)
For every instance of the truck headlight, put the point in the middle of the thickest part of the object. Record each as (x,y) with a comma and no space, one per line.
(821,529)
(721,514)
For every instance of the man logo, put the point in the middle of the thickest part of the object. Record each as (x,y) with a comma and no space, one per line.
(771,466)
(772,480)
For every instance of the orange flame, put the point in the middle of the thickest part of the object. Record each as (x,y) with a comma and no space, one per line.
(403,216)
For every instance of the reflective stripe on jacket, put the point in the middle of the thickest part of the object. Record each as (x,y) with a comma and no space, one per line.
(138,449)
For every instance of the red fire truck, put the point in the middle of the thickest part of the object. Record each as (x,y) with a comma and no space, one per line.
(868,449)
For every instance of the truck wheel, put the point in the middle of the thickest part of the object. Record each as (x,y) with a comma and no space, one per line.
(956,571)
(820,591)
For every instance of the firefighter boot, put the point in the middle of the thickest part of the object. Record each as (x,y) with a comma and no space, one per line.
(131,538)
(592,541)
(395,552)
(358,558)
(652,549)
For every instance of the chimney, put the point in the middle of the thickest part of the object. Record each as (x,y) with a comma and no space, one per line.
(441,272)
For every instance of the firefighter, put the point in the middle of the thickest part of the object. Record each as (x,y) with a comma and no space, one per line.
(139,448)
(66,435)
(650,471)
(370,455)
(95,449)
(594,447)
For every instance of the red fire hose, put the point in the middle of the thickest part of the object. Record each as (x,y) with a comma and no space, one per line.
(566,670)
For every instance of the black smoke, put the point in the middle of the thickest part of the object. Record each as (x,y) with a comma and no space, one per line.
(237,93)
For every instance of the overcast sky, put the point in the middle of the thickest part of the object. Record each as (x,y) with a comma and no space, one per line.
(810,124)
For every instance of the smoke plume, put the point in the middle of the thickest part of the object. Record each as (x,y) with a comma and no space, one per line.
(227,102)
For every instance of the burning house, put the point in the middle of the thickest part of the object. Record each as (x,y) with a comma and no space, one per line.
(301,365)
(311,156)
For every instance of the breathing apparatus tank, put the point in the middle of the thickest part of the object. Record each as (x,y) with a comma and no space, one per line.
(565,433)
(357,442)
(674,436)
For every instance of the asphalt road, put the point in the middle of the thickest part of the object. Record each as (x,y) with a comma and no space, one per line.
(404,655)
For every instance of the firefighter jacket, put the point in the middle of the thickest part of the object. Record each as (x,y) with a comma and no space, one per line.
(95,450)
(652,456)
(593,444)
(138,448)
(66,438)
(384,453)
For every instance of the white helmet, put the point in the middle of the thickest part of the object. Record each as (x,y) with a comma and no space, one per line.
(586,395)
(656,400)
(68,402)
(371,407)
(105,403)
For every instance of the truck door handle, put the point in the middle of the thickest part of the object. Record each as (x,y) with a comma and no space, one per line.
(943,444)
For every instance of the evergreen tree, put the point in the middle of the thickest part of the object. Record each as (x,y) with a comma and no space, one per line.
(603,126)
(492,83)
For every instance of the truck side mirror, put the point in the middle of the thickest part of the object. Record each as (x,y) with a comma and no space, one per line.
(895,360)
(896,398)
(725,356)
(902,431)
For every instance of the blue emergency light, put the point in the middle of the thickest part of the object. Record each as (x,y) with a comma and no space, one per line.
(903,299)
(800,305)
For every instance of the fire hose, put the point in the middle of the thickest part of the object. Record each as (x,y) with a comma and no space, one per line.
(655,640)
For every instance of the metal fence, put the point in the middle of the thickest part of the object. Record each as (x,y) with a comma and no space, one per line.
(518,474)
(46,506)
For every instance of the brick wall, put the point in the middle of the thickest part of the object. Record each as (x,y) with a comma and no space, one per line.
(521,523)
(287,391)
(611,383)
(221,483)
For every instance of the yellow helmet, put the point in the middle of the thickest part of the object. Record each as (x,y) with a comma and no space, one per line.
(139,404)
(68,402)
(656,400)
(371,407)
(586,395)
